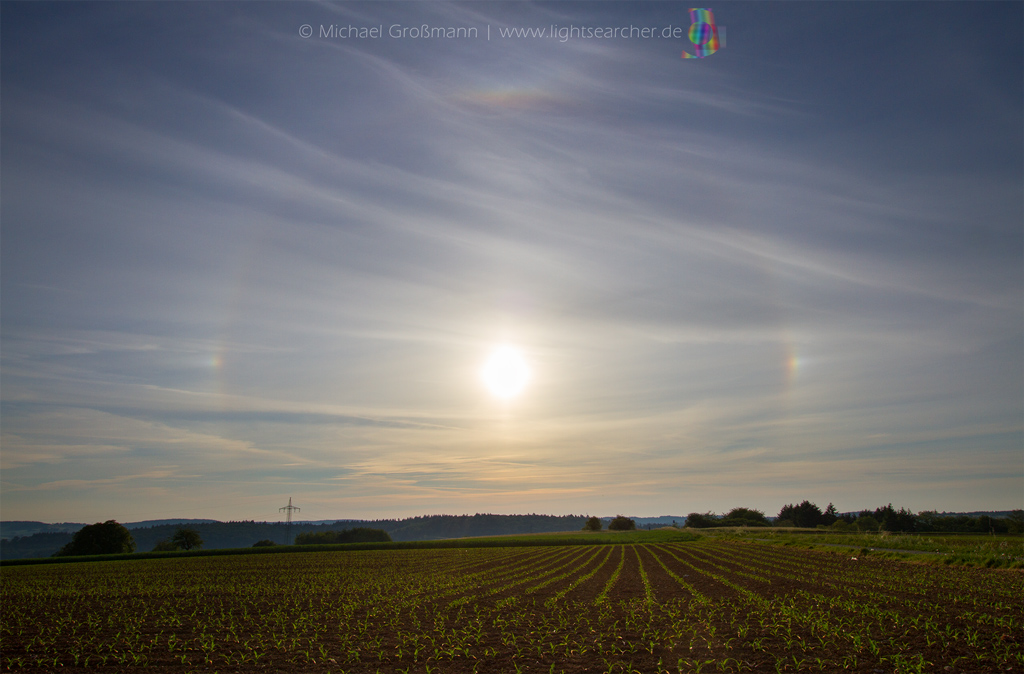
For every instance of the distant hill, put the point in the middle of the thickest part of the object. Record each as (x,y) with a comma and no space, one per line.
(157,523)
(244,534)
(23,539)
(653,522)
(37,545)
(15,528)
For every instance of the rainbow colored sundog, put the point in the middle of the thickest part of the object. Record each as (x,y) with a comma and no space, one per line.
(703,34)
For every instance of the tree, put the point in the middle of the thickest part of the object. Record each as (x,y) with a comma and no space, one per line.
(804,515)
(743,517)
(593,524)
(829,517)
(891,519)
(701,520)
(106,538)
(1015,522)
(187,539)
(165,546)
(621,523)
(265,543)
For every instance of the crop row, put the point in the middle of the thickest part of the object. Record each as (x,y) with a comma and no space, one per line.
(676,607)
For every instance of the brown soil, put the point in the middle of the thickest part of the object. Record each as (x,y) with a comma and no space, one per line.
(806,611)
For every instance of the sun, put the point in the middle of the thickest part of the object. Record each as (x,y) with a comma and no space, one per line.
(505,373)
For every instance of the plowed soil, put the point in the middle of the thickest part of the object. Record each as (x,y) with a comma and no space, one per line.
(681,607)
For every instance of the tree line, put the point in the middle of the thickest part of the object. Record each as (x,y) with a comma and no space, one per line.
(244,534)
(357,535)
(886,518)
(618,523)
(111,538)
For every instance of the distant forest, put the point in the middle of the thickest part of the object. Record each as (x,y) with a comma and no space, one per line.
(431,527)
(244,534)
(886,518)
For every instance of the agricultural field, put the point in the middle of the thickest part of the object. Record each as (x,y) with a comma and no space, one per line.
(711,605)
(1000,550)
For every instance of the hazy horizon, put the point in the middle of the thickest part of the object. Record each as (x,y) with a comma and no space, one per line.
(242,264)
(642,520)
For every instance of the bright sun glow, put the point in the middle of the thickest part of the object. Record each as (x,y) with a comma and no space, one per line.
(505,374)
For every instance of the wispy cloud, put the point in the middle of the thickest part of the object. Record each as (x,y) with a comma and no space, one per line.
(733,278)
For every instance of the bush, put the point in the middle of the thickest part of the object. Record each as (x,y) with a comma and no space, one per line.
(107,538)
(593,524)
(701,520)
(622,523)
(732,522)
(265,543)
(747,514)
(165,546)
(867,523)
(743,517)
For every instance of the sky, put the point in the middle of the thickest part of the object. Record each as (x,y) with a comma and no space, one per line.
(258,251)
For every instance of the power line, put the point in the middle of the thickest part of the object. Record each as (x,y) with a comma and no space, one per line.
(288,510)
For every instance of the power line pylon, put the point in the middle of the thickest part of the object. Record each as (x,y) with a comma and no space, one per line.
(288,510)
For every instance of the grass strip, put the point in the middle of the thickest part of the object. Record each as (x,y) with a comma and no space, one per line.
(581,538)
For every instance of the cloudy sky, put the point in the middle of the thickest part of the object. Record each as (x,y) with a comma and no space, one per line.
(241,265)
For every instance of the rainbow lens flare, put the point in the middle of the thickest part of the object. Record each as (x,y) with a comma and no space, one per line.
(703,33)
